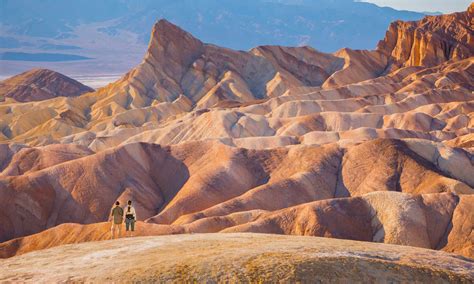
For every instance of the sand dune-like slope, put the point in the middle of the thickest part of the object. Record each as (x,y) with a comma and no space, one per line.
(437,221)
(27,159)
(236,258)
(212,187)
(438,114)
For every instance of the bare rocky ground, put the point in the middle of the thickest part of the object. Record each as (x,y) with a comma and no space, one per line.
(236,258)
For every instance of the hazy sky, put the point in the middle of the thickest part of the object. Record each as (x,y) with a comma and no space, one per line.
(445,6)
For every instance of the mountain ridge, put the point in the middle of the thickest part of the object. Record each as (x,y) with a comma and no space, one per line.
(41,84)
(137,16)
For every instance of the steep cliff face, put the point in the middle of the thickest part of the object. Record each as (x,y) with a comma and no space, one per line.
(41,84)
(431,41)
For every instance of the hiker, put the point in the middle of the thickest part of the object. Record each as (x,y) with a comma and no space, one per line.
(116,214)
(130,219)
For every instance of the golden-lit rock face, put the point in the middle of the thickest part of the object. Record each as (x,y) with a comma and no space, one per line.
(374,146)
(431,41)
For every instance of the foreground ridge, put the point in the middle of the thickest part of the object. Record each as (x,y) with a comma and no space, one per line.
(237,257)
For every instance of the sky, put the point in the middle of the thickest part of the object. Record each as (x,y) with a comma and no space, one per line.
(444,6)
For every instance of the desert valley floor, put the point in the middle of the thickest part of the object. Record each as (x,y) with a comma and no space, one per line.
(375,147)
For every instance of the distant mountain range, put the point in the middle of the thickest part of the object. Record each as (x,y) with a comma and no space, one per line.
(96,33)
(326,25)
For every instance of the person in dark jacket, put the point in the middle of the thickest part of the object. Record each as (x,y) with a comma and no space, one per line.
(116,214)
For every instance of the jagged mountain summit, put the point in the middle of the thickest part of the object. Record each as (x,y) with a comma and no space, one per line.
(373,146)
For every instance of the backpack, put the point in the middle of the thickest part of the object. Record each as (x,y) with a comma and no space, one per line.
(129,215)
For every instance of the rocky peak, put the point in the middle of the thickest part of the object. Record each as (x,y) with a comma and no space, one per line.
(171,45)
(430,41)
(178,64)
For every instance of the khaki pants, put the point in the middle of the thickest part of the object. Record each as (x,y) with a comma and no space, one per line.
(116,227)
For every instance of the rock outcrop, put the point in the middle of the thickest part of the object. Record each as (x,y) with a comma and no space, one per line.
(430,41)
(41,84)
